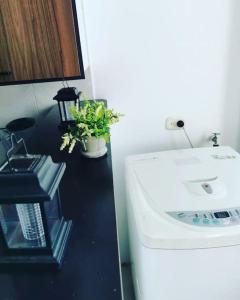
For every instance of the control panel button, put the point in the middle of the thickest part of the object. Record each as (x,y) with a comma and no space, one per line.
(226,221)
(206,221)
(207,188)
(196,220)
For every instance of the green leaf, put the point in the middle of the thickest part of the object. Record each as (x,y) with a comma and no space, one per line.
(92,118)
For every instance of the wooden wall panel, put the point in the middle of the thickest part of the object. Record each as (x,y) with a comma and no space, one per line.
(40,39)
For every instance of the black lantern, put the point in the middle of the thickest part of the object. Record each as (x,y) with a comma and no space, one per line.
(66,98)
(33,231)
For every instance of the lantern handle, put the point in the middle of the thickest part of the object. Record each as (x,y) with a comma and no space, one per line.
(14,145)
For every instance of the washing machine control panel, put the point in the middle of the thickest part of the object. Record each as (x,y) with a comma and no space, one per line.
(228,217)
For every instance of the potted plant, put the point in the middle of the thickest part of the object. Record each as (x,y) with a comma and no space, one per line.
(92,121)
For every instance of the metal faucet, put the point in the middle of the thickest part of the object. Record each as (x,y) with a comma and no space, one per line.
(214,139)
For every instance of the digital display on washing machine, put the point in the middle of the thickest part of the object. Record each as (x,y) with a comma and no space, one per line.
(221,214)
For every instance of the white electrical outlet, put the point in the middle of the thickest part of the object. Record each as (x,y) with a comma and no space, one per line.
(171,123)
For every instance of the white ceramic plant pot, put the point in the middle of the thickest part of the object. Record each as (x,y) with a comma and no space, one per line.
(93,147)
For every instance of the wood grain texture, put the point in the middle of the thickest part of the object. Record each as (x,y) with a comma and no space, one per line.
(40,39)
(66,29)
(5,64)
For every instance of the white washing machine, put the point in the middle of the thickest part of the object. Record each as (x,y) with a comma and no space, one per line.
(184,224)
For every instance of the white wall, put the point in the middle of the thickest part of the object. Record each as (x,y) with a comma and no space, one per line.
(157,58)
(30,100)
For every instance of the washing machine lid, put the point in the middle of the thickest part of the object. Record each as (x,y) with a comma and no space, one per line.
(191,179)
(189,182)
